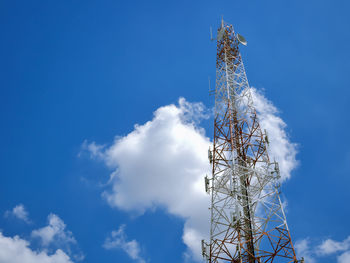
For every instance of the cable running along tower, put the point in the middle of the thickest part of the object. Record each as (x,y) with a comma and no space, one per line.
(248,224)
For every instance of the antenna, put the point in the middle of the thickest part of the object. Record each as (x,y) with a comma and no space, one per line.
(211,92)
(211,34)
(241,39)
(209,83)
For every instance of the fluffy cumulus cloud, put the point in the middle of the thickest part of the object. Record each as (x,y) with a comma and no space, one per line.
(17,250)
(19,212)
(162,164)
(118,240)
(328,248)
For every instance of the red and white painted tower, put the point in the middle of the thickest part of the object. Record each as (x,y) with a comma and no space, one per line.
(248,224)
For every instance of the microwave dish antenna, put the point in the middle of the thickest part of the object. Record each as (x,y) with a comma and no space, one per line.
(241,39)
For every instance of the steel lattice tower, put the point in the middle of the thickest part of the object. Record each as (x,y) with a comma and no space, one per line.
(248,223)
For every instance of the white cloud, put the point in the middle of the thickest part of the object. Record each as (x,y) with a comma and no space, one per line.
(330,246)
(344,258)
(16,250)
(94,149)
(162,163)
(280,146)
(54,232)
(55,235)
(118,240)
(303,250)
(19,212)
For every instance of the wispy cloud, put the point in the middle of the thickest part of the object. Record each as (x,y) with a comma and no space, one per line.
(327,248)
(55,231)
(55,234)
(19,212)
(118,240)
(330,246)
(280,146)
(303,250)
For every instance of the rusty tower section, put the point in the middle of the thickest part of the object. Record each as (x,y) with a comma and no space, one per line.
(248,224)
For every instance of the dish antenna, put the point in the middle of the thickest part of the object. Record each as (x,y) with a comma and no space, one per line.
(241,39)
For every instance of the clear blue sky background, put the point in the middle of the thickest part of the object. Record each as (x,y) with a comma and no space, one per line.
(76,70)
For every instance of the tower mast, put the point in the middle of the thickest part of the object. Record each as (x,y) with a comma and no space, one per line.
(248,224)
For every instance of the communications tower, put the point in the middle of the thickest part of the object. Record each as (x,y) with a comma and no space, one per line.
(248,224)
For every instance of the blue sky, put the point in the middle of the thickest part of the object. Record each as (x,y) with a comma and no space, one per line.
(87,71)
